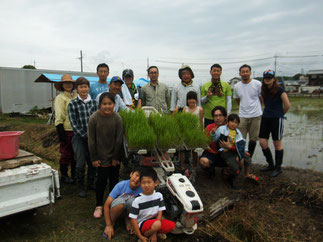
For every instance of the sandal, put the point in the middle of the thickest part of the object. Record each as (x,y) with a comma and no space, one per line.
(97,212)
(252,178)
(162,236)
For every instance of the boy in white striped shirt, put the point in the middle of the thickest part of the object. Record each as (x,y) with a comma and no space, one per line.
(147,209)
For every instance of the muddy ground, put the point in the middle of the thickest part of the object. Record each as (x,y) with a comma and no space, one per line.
(286,208)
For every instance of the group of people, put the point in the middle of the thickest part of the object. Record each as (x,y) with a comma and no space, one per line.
(90,132)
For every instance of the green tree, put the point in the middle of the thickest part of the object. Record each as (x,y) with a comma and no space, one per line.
(28,67)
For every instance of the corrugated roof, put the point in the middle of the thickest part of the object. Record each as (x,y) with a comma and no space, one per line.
(51,78)
(315,72)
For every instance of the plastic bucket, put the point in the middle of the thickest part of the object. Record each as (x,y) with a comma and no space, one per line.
(9,144)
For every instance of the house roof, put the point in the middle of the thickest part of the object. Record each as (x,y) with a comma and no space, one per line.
(311,72)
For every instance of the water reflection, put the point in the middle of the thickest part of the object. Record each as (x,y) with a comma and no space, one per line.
(303,135)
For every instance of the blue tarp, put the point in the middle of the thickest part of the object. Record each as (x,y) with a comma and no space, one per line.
(47,77)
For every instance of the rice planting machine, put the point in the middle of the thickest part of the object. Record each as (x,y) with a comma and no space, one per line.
(183,204)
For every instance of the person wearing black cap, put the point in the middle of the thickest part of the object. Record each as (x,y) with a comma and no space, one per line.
(130,90)
(276,105)
(178,100)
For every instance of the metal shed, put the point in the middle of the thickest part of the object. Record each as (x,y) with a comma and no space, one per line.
(19,92)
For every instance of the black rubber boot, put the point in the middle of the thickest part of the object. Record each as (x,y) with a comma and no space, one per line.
(73,171)
(269,159)
(82,191)
(211,172)
(251,147)
(81,187)
(64,175)
(232,182)
(279,160)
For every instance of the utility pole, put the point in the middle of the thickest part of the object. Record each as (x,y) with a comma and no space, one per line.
(81,58)
(147,66)
(275,63)
(34,63)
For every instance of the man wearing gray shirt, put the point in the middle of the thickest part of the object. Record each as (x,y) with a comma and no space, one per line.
(155,93)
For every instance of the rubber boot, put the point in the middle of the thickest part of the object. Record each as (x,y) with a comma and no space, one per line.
(269,159)
(232,182)
(81,187)
(251,147)
(73,171)
(211,172)
(64,175)
(279,160)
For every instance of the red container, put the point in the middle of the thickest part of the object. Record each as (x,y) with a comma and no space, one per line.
(9,144)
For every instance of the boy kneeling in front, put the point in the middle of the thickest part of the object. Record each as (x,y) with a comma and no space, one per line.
(120,200)
(147,209)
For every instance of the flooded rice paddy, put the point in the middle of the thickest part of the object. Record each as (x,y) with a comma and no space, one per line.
(302,140)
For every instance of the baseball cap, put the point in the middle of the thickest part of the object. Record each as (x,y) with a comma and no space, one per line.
(116,79)
(127,72)
(268,74)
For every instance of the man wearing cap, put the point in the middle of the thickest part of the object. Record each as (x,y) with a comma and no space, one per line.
(131,94)
(155,93)
(63,126)
(215,93)
(115,87)
(100,86)
(247,93)
(180,91)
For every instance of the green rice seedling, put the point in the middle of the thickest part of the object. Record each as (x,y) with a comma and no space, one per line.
(191,132)
(138,132)
(166,130)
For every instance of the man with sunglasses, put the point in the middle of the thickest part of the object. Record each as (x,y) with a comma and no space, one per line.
(247,94)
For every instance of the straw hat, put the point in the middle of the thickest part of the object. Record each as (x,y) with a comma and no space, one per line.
(65,78)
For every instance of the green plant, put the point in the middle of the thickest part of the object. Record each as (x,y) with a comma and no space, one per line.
(166,130)
(138,132)
(190,130)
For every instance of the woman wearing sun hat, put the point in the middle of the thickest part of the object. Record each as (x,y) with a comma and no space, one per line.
(276,105)
(63,126)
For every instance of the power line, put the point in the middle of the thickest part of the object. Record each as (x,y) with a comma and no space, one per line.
(241,61)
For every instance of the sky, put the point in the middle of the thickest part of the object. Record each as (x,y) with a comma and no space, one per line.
(167,33)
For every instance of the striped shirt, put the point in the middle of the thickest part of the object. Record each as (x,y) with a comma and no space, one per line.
(146,207)
(79,113)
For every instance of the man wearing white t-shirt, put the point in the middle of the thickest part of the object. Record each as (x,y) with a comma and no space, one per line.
(248,96)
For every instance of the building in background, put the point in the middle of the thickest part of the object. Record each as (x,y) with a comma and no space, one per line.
(315,77)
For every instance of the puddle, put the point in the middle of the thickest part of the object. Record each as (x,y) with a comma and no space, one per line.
(302,141)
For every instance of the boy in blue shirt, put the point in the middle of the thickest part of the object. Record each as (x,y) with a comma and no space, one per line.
(100,86)
(120,200)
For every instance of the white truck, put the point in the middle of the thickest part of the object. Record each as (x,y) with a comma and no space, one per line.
(26,183)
